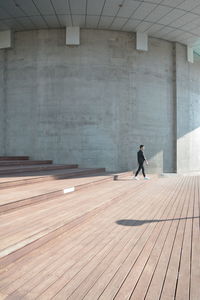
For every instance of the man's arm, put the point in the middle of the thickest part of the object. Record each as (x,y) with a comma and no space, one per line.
(146,161)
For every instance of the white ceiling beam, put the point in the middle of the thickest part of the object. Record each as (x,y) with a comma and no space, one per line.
(190,54)
(6,39)
(73,36)
(141,41)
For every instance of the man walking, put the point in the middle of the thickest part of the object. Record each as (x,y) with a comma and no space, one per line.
(141,159)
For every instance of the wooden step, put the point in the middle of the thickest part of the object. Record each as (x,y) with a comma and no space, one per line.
(48,175)
(23,169)
(10,163)
(143,246)
(14,157)
(33,193)
(30,227)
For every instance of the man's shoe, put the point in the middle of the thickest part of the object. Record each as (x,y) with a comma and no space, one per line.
(136,178)
(146,178)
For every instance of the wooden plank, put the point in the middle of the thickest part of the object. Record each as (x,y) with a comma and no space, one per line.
(137,264)
(11,163)
(23,169)
(2,158)
(49,233)
(83,272)
(73,214)
(105,270)
(30,194)
(183,278)
(80,236)
(97,258)
(106,190)
(110,290)
(106,278)
(170,281)
(56,209)
(39,277)
(29,178)
(158,277)
(144,281)
(195,260)
(67,288)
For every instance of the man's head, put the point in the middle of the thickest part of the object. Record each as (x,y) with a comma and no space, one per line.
(142,147)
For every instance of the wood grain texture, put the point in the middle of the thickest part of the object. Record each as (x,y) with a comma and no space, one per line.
(121,239)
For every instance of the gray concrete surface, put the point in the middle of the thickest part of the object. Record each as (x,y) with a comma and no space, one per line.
(94,104)
(188,113)
(2,102)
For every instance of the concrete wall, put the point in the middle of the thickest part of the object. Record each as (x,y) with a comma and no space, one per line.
(2,102)
(94,104)
(188,112)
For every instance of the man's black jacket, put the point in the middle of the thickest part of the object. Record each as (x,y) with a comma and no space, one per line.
(140,157)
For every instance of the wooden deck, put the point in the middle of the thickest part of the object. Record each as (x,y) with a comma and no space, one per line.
(118,240)
(7,181)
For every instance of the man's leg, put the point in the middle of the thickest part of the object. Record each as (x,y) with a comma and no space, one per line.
(138,170)
(143,171)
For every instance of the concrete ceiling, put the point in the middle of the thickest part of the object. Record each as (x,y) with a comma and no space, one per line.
(174,20)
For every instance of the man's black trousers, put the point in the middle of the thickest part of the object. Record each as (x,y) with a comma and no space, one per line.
(141,167)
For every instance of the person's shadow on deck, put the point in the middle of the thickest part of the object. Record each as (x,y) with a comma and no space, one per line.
(128,222)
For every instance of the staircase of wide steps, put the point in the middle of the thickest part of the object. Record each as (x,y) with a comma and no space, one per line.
(20,170)
(36,203)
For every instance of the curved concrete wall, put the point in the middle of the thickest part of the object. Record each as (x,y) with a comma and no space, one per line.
(2,102)
(188,113)
(93,104)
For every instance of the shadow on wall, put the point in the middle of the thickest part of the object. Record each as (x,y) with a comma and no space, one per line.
(162,161)
(126,222)
(188,146)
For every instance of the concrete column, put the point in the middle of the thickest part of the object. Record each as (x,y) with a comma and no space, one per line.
(190,54)
(188,111)
(3,78)
(174,83)
(6,39)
